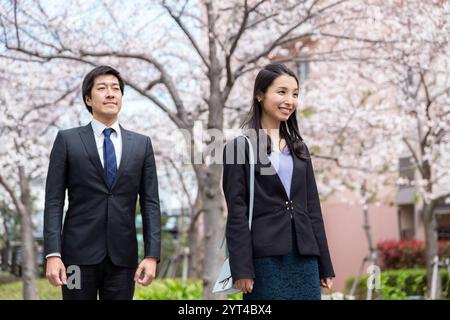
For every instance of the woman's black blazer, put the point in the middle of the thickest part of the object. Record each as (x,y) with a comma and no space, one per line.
(271,228)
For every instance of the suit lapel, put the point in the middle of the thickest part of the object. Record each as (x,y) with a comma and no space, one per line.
(88,139)
(127,147)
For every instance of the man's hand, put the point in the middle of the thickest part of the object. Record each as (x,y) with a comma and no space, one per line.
(326,283)
(55,271)
(146,271)
(245,285)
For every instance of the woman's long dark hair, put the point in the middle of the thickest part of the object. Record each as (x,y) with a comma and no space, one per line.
(288,129)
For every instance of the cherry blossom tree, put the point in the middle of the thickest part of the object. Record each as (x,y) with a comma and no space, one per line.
(189,59)
(349,131)
(29,108)
(414,74)
(403,61)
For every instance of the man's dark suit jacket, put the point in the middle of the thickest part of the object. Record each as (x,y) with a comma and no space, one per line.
(271,228)
(100,220)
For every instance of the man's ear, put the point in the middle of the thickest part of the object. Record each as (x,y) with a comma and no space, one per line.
(88,100)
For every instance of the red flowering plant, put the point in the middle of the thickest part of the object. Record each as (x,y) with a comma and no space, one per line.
(407,254)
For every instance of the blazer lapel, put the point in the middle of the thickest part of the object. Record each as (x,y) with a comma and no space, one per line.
(88,139)
(264,166)
(127,146)
(299,171)
(295,167)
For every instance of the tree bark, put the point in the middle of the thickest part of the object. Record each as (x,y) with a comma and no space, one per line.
(5,249)
(372,258)
(28,259)
(23,206)
(5,255)
(210,176)
(431,247)
(195,240)
(214,219)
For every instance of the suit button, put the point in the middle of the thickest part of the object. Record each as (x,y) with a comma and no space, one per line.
(110,194)
(287,202)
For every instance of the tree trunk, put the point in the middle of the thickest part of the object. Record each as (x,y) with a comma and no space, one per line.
(196,251)
(430,225)
(5,249)
(214,222)
(5,256)
(28,260)
(24,209)
(431,247)
(372,257)
(195,240)
(210,176)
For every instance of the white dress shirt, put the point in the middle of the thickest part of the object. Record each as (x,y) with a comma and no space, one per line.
(116,139)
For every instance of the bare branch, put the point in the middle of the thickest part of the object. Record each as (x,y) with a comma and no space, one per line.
(340,165)
(153,83)
(178,21)
(276,42)
(165,78)
(9,189)
(16,26)
(47,104)
(181,180)
(415,156)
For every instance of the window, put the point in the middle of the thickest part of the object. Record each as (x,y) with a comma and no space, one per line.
(406,169)
(303,70)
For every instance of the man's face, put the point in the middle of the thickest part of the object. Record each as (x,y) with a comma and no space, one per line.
(106,97)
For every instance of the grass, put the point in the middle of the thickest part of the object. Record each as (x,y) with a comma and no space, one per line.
(13,290)
(160,289)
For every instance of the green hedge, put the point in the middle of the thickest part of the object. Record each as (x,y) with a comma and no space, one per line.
(400,284)
(174,289)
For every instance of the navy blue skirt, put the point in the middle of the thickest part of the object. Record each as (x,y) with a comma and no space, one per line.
(289,277)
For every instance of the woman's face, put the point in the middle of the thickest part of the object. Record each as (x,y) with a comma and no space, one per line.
(280,99)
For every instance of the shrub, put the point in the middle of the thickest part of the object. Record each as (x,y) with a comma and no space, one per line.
(407,254)
(400,284)
(174,289)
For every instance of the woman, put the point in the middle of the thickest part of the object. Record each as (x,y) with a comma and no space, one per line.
(285,254)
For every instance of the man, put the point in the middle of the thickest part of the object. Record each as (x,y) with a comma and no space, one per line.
(104,168)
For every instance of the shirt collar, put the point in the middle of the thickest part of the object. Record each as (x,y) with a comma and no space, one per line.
(98,127)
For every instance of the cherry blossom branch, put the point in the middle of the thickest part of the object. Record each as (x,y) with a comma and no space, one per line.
(177,19)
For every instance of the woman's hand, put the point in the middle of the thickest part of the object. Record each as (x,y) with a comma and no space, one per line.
(245,285)
(326,283)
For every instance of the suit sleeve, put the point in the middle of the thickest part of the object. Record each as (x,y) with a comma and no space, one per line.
(235,186)
(55,190)
(149,201)
(315,214)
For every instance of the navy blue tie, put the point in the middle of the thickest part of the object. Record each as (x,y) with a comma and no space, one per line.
(109,157)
